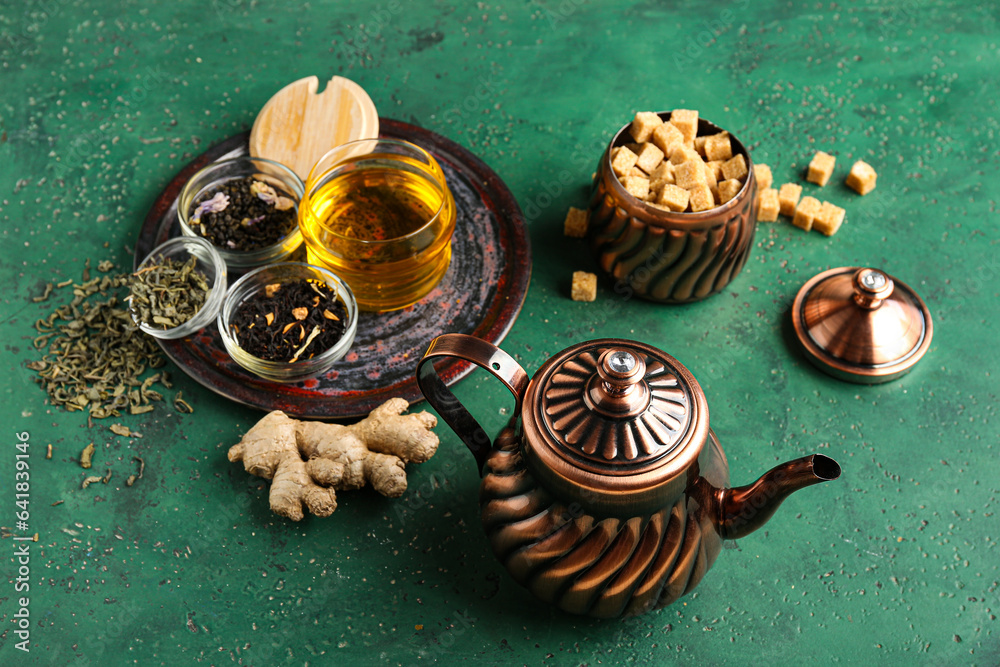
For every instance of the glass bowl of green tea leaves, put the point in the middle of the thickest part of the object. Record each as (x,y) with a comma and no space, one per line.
(288,322)
(178,289)
(247,207)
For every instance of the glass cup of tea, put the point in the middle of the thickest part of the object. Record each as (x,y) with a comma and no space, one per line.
(378,213)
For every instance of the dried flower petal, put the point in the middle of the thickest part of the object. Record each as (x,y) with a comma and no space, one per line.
(272,289)
(216,204)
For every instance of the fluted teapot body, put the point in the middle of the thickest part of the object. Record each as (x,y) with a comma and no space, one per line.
(607,494)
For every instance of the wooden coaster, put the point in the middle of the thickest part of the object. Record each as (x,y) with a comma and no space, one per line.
(297,127)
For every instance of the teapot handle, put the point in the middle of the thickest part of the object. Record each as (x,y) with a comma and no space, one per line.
(485,355)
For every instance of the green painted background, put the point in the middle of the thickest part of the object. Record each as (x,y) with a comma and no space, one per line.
(896,563)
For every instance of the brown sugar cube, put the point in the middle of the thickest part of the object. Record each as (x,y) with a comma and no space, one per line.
(729,189)
(699,145)
(643,126)
(788,198)
(768,206)
(622,161)
(763,175)
(638,172)
(829,219)
(584,286)
(684,154)
(649,156)
(576,223)
(713,182)
(701,199)
(667,138)
(686,120)
(662,175)
(716,167)
(805,213)
(673,197)
(691,174)
(821,168)
(637,186)
(717,147)
(736,167)
(862,178)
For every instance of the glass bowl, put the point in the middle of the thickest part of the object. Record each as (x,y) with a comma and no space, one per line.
(274,174)
(209,262)
(254,283)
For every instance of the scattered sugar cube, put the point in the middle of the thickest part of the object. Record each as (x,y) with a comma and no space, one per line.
(576,223)
(691,174)
(686,120)
(622,160)
(644,124)
(821,168)
(584,286)
(788,197)
(673,197)
(637,186)
(862,178)
(768,206)
(735,167)
(762,173)
(729,189)
(805,213)
(701,199)
(662,175)
(649,156)
(717,147)
(829,219)
(668,138)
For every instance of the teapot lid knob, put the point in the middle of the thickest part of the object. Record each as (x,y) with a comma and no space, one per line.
(619,390)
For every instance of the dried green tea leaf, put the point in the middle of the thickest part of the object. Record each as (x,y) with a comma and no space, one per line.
(45,294)
(181,405)
(90,480)
(85,455)
(118,429)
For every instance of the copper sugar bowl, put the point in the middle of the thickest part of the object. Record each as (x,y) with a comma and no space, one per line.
(664,256)
(607,494)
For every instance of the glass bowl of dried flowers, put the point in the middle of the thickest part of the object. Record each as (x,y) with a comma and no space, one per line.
(247,207)
(289,321)
(178,288)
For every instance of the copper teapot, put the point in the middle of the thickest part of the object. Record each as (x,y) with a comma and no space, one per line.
(607,494)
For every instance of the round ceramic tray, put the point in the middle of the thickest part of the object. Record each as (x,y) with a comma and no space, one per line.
(480,295)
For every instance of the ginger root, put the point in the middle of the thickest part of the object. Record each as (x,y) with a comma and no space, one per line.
(308,461)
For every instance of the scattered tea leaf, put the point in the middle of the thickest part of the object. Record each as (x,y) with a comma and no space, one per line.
(45,295)
(107,477)
(132,478)
(90,480)
(86,455)
(48,451)
(181,405)
(118,429)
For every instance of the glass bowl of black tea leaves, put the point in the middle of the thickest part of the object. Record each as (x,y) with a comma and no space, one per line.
(247,207)
(288,322)
(178,289)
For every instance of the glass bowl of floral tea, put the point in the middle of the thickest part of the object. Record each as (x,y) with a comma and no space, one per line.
(288,322)
(247,207)
(178,289)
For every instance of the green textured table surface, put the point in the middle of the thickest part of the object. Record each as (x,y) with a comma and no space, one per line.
(897,562)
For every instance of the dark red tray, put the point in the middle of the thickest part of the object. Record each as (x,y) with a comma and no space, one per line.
(481,295)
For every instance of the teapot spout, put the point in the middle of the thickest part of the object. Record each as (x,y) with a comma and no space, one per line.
(744,509)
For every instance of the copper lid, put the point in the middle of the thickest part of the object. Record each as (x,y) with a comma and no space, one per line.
(614,425)
(861,324)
